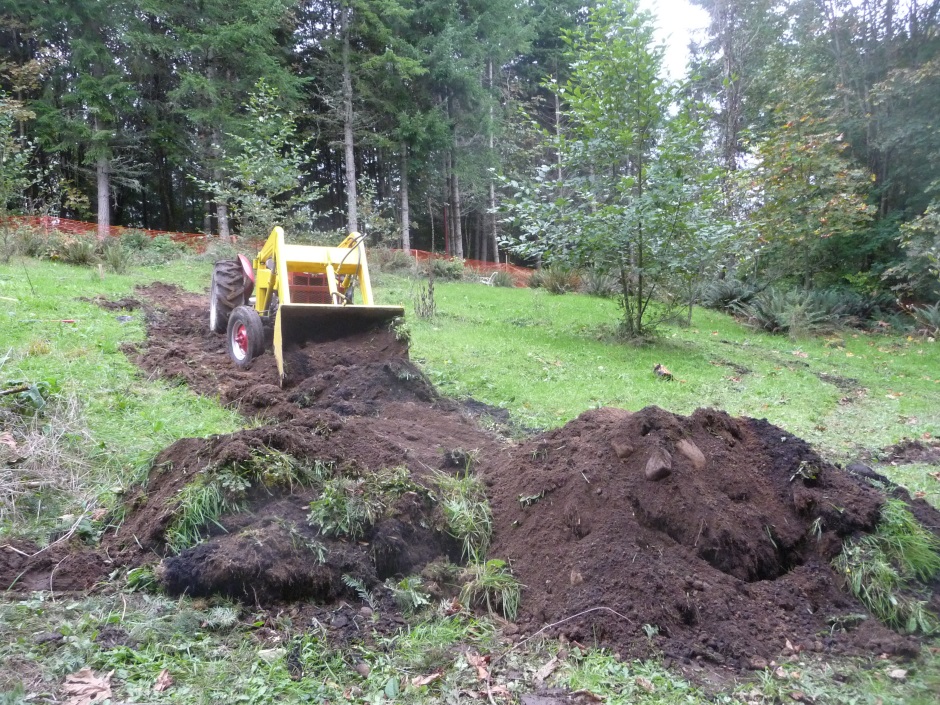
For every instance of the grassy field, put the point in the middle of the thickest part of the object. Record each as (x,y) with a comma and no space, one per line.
(543,358)
(547,358)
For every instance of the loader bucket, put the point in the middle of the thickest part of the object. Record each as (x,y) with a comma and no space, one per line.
(297,324)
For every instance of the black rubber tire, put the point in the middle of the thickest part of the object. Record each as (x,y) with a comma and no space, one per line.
(244,337)
(226,292)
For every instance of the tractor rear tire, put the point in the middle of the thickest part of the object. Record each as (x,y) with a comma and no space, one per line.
(245,336)
(226,293)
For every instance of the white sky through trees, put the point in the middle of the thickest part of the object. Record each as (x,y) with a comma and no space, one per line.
(677,21)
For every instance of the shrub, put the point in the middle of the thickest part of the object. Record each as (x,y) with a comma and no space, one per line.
(116,256)
(160,250)
(452,268)
(9,243)
(135,240)
(34,242)
(558,279)
(927,318)
(850,307)
(388,260)
(502,278)
(795,313)
(727,294)
(218,250)
(80,251)
(537,279)
(597,283)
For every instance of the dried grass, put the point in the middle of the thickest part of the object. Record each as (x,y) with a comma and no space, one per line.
(41,456)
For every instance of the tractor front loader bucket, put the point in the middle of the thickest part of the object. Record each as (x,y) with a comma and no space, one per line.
(297,324)
(313,291)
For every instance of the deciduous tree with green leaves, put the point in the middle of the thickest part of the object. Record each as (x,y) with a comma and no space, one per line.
(635,193)
(812,199)
(263,171)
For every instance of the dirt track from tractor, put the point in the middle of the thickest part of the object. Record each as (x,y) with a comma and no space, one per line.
(706,538)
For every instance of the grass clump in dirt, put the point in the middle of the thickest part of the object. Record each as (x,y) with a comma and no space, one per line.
(467,513)
(409,593)
(350,506)
(885,570)
(223,489)
(491,584)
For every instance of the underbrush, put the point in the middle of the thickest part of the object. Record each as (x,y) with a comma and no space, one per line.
(556,279)
(799,313)
(538,356)
(117,254)
(45,467)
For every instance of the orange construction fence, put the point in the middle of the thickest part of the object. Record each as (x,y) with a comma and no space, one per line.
(520,275)
(48,224)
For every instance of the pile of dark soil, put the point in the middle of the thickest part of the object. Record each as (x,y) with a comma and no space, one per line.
(712,534)
(705,538)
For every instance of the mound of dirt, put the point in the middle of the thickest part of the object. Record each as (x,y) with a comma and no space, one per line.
(353,375)
(266,551)
(707,537)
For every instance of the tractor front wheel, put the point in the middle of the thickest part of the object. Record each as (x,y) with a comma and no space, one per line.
(226,292)
(245,336)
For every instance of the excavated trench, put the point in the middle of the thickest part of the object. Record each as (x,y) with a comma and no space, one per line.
(705,538)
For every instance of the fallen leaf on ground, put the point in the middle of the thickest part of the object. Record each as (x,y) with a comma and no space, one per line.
(800,353)
(418,681)
(479,662)
(7,440)
(84,687)
(164,681)
(546,670)
(645,684)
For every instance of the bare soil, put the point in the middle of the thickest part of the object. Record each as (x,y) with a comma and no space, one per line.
(705,538)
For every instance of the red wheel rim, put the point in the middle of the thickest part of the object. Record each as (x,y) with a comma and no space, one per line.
(240,341)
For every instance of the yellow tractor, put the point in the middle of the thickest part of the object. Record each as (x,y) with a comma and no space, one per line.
(302,292)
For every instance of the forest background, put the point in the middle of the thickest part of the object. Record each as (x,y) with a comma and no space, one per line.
(800,150)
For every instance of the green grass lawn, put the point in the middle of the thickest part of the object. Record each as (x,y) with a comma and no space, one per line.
(544,359)
(547,358)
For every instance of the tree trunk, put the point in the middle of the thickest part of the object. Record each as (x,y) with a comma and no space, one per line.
(558,134)
(103,171)
(448,219)
(352,217)
(221,207)
(458,230)
(405,210)
(489,236)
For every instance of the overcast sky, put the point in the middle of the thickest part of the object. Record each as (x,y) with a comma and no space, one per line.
(678,21)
